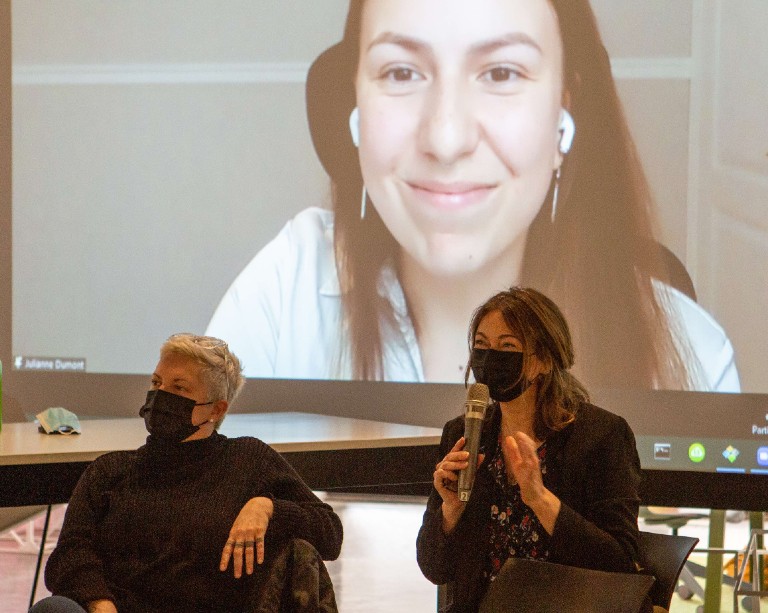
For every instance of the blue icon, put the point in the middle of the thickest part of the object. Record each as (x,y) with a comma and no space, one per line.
(762,456)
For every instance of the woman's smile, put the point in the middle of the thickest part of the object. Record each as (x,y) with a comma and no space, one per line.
(450,196)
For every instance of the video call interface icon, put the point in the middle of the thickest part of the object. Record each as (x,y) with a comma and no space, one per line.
(730,453)
(696,453)
(662,451)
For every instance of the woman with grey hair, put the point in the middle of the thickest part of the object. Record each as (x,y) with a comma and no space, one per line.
(156,529)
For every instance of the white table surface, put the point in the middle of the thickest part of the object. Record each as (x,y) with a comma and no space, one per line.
(21,443)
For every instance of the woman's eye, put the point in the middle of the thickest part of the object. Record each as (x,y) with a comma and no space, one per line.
(401,74)
(155,383)
(501,74)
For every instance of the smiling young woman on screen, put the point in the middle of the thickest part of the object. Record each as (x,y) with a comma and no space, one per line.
(472,146)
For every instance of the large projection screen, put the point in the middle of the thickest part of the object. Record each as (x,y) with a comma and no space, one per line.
(149,150)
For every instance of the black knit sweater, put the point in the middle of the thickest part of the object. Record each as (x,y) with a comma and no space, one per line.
(146,528)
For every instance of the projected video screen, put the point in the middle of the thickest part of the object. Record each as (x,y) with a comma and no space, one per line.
(175,169)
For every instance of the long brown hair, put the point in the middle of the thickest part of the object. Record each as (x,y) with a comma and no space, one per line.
(543,331)
(597,259)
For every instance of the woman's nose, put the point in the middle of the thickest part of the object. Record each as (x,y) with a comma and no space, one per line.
(449,130)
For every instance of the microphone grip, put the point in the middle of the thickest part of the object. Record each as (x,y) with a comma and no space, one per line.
(473,427)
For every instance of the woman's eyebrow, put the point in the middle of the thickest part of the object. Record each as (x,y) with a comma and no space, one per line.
(406,42)
(416,45)
(511,39)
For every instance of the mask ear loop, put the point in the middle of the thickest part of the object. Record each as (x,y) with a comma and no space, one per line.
(354,130)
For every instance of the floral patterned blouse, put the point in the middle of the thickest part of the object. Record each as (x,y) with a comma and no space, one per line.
(515,530)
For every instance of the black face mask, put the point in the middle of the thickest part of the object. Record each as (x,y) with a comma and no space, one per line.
(501,371)
(169,416)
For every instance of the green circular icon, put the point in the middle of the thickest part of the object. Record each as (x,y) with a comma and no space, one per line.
(696,452)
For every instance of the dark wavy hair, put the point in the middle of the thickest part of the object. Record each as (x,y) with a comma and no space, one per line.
(598,258)
(541,327)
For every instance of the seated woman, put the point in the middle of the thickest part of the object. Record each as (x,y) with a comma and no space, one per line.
(156,529)
(557,477)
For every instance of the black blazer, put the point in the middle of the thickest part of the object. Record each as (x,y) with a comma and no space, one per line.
(592,467)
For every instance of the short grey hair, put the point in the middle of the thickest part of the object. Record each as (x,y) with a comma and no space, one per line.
(222,372)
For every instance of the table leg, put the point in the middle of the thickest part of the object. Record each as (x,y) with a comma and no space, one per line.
(756,523)
(714,580)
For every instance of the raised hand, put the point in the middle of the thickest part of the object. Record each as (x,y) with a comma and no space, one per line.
(522,465)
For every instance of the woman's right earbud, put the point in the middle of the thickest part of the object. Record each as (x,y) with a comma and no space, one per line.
(567,129)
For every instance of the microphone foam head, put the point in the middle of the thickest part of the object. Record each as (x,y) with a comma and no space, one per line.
(478,392)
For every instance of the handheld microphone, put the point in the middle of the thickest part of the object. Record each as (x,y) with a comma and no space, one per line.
(474,413)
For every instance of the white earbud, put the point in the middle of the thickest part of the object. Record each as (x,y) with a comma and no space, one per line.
(354,126)
(354,130)
(567,129)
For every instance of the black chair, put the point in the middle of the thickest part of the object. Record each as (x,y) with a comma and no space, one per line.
(671,270)
(528,586)
(688,584)
(674,521)
(664,556)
